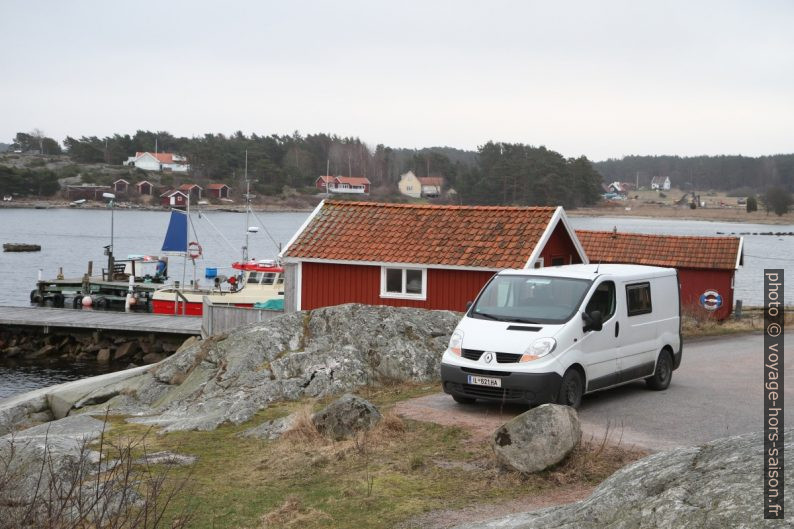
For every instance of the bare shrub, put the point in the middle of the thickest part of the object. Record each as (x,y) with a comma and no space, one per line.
(41,487)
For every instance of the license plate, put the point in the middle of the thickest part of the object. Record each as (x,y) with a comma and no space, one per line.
(485,381)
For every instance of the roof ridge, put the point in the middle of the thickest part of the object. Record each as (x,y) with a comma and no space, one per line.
(655,235)
(437,206)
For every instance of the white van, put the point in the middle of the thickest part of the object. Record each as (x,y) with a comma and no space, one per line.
(554,334)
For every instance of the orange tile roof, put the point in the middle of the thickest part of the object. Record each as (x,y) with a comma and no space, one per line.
(217,186)
(353,180)
(162,157)
(188,187)
(431,181)
(676,251)
(488,237)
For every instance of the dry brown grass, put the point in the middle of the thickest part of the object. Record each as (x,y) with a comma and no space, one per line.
(292,513)
(698,323)
(595,459)
(303,432)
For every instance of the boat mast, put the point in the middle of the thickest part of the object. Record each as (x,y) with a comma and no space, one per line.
(247,208)
(187,239)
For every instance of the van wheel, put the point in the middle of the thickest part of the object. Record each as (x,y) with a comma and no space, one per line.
(463,400)
(664,372)
(571,389)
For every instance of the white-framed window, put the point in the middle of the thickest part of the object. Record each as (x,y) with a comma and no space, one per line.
(539,263)
(403,283)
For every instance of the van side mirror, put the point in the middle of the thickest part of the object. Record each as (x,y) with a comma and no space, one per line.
(468,305)
(593,321)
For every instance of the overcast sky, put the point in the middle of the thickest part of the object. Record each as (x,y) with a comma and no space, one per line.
(599,78)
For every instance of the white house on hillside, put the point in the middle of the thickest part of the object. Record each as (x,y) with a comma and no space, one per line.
(159,161)
(413,186)
(661,182)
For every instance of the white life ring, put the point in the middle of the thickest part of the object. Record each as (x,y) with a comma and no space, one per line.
(194,250)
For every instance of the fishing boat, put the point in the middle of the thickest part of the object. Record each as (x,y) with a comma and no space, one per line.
(251,283)
(255,284)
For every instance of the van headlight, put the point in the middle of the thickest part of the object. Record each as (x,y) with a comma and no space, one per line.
(456,343)
(538,349)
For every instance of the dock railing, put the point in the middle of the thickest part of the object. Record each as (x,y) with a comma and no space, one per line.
(218,319)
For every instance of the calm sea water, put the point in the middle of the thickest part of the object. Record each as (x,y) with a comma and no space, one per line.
(71,237)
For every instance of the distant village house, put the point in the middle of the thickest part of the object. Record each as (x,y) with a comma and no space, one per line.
(159,161)
(194,190)
(343,184)
(144,187)
(416,187)
(87,192)
(121,186)
(661,183)
(173,198)
(218,190)
(622,188)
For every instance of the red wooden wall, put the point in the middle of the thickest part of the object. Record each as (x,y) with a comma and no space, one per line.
(560,245)
(695,282)
(323,285)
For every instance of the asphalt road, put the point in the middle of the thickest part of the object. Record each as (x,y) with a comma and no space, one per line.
(717,392)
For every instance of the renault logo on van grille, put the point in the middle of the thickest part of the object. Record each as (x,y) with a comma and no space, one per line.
(488,357)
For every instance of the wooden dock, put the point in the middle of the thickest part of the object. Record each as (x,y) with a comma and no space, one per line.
(46,318)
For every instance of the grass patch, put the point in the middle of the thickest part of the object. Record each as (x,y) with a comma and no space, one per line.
(398,470)
(698,323)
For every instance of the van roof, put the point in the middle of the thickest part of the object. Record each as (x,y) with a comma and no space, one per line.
(591,271)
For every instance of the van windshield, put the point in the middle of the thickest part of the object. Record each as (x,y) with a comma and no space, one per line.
(530,299)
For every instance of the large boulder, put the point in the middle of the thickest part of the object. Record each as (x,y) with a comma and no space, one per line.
(345,417)
(229,378)
(715,485)
(327,351)
(537,439)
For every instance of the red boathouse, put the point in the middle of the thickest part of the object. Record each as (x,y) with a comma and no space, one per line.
(706,265)
(434,257)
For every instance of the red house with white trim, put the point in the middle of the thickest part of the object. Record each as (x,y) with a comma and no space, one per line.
(174,198)
(323,181)
(434,257)
(706,265)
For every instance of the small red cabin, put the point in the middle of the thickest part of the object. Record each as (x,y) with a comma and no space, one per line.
(194,190)
(121,186)
(218,190)
(174,199)
(434,257)
(706,265)
(144,187)
(323,181)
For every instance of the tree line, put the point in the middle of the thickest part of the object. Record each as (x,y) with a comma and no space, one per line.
(497,173)
(720,173)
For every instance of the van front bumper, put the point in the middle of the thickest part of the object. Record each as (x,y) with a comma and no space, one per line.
(523,388)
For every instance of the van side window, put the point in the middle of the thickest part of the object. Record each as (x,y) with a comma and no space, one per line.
(638,298)
(603,300)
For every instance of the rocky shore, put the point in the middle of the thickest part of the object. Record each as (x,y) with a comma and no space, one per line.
(25,346)
(229,378)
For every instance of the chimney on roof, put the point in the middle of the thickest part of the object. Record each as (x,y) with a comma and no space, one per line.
(615,232)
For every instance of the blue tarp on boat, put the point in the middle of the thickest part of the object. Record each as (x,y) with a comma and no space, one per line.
(271,304)
(176,236)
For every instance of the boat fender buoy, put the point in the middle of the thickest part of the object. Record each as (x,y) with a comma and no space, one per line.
(194,250)
(87,301)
